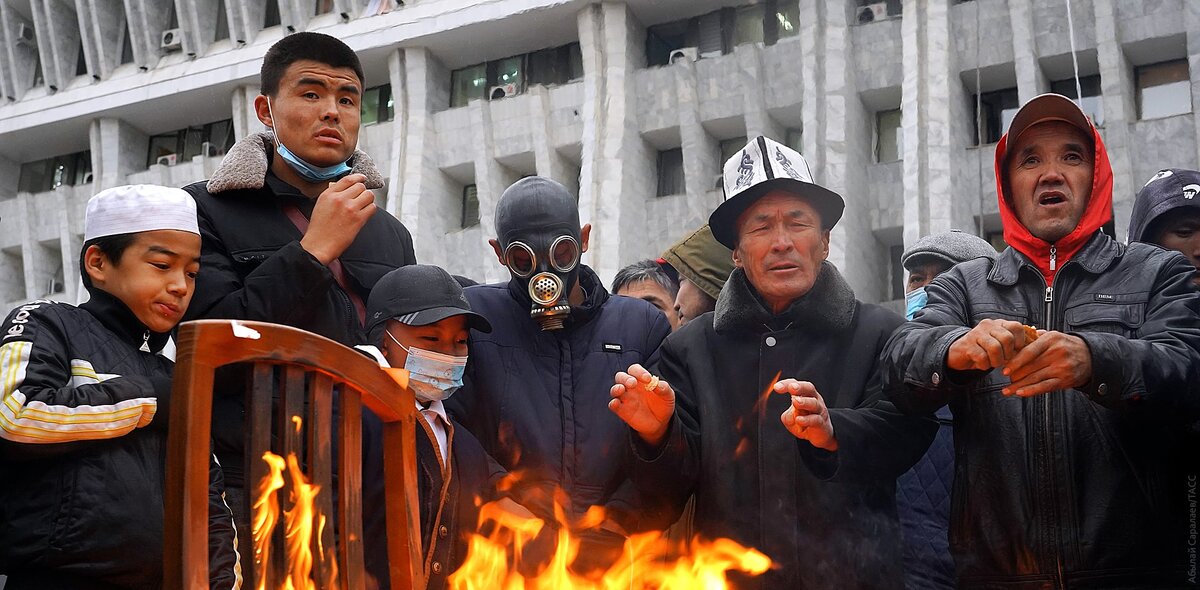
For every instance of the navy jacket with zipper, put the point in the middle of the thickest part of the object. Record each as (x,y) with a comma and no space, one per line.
(83,436)
(1076,488)
(538,401)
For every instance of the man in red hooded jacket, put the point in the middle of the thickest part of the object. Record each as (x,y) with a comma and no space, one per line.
(1070,362)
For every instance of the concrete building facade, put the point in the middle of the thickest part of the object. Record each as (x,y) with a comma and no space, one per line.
(468,96)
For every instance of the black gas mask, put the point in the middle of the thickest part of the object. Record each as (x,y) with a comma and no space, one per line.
(537,225)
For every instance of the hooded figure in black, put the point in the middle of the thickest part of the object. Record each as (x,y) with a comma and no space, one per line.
(536,387)
(1166,213)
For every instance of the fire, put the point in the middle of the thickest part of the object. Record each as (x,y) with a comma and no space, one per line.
(492,559)
(299,524)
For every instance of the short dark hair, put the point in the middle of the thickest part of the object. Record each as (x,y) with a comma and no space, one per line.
(316,47)
(113,247)
(643,270)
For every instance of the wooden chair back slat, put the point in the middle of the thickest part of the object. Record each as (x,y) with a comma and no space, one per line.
(311,367)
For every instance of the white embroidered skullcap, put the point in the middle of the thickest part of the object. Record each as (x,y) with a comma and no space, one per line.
(138,208)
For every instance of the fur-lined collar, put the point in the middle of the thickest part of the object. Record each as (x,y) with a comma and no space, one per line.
(245,166)
(827,307)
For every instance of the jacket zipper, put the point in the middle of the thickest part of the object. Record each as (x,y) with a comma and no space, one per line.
(145,342)
(1046,400)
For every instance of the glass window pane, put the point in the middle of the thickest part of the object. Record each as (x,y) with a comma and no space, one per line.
(64,170)
(220,137)
(574,62)
(271,15)
(794,139)
(787,17)
(510,70)
(222,22)
(547,66)
(729,148)
(661,40)
(999,107)
(387,109)
(748,25)
(83,168)
(888,136)
(670,172)
(80,62)
(193,143)
(34,176)
(370,106)
(323,6)
(1092,102)
(467,84)
(127,48)
(162,145)
(470,206)
(1164,89)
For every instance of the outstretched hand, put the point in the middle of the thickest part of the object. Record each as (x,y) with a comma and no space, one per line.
(644,402)
(807,418)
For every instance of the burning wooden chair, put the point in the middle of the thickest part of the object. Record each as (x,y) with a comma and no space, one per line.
(308,368)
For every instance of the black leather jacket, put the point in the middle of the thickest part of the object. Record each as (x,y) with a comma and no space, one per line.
(1075,488)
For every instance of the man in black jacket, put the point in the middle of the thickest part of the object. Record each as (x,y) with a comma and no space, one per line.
(535,389)
(291,234)
(816,493)
(1070,363)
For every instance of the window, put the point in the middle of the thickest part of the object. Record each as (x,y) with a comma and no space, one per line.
(80,62)
(794,139)
(51,173)
(889,136)
(670,172)
(1164,89)
(999,107)
(470,206)
(1091,103)
(38,78)
(505,77)
(271,15)
(323,6)
(729,148)
(184,144)
(721,30)
(127,47)
(873,10)
(996,239)
(222,22)
(377,105)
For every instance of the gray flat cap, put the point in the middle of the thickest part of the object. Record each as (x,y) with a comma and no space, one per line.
(953,247)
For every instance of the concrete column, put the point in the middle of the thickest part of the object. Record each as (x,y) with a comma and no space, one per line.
(245,118)
(812,109)
(33,256)
(700,150)
(1030,79)
(758,120)
(547,161)
(617,171)
(929,150)
(71,244)
(1120,110)
(118,149)
(249,19)
(198,21)
(393,169)
(104,31)
(1191,19)
(147,21)
(57,40)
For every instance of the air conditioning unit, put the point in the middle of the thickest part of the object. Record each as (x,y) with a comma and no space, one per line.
(502,91)
(683,54)
(88,178)
(872,12)
(172,40)
(25,34)
(53,286)
(167,160)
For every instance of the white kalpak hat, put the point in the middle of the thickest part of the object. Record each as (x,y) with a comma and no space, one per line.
(137,208)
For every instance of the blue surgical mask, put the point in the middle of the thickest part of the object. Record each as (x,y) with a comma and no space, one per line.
(432,376)
(310,172)
(915,301)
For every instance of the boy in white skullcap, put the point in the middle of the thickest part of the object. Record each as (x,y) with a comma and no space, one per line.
(83,407)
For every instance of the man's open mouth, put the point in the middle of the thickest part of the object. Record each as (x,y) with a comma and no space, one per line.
(1052,199)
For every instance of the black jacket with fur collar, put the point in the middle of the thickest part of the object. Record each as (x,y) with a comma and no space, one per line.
(827,520)
(252,266)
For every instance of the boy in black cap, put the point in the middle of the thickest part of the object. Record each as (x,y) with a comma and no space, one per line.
(84,395)
(418,319)
(1166,212)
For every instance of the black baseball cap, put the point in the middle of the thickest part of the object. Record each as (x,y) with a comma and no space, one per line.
(419,295)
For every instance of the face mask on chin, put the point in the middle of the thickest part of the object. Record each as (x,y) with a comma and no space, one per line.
(306,170)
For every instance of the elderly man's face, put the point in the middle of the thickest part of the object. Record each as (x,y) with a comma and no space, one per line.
(780,247)
(1049,170)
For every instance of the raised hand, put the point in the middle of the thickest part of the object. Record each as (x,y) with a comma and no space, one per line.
(644,402)
(340,212)
(807,418)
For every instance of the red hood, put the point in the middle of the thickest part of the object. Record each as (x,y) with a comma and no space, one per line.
(1098,213)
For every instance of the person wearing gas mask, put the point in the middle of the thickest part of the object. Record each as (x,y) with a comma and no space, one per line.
(290,232)
(923,492)
(419,320)
(535,393)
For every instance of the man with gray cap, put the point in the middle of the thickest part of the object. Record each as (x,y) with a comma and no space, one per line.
(1069,362)
(923,492)
(769,409)
(535,390)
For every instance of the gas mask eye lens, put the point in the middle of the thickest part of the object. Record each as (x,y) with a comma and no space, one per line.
(520,259)
(564,253)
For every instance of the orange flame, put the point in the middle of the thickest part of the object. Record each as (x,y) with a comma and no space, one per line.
(299,524)
(492,559)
